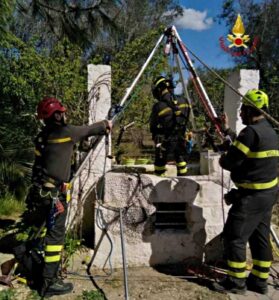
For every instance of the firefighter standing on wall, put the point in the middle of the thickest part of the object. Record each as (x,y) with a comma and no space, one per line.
(168,125)
(46,202)
(252,160)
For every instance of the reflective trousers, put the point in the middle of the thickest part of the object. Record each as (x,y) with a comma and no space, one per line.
(48,231)
(249,222)
(171,149)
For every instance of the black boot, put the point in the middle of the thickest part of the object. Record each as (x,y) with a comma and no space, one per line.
(256,284)
(51,287)
(230,285)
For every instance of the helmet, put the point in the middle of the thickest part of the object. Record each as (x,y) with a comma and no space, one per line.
(160,84)
(48,106)
(257,97)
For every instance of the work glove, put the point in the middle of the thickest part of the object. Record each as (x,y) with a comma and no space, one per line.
(231,196)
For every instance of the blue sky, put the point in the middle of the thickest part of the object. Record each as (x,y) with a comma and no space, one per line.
(201,34)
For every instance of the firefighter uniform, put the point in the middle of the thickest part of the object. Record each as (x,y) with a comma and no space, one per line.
(48,197)
(252,160)
(51,173)
(168,125)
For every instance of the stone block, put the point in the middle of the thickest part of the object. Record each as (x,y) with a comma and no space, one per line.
(99,89)
(242,81)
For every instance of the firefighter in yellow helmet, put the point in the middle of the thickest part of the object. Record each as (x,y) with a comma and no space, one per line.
(168,122)
(252,160)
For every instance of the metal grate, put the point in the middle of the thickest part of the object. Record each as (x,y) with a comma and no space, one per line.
(170,216)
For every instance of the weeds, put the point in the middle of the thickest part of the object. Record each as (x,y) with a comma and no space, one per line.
(71,245)
(33,295)
(91,295)
(12,294)
(8,294)
(10,206)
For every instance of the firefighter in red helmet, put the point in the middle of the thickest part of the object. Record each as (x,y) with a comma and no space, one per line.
(48,106)
(47,199)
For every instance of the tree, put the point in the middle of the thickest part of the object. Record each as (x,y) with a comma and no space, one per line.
(260,20)
(25,77)
(79,21)
(6,8)
(49,44)
(96,26)
(138,17)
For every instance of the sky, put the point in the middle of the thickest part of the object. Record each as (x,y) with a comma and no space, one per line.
(201,34)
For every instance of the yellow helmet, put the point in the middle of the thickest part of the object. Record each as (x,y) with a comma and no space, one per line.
(257,97)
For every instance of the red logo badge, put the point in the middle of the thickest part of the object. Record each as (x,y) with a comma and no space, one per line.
(238,40)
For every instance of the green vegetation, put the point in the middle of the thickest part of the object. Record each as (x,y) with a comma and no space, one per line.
(33,295)
(44,51)
(8,294)
(71,245)
(12,294)
(91,295)
(9,206)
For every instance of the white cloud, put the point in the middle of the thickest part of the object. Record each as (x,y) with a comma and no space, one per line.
(194,19)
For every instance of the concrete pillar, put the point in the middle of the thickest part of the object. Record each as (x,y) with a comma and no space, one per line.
(242,80)
(99,98)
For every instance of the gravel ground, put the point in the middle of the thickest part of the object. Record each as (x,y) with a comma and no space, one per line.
(143,283)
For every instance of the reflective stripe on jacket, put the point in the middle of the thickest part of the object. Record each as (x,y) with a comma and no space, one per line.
(168,115)
(253,157)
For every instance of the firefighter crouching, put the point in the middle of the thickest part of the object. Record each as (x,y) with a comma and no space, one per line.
(252,160)
(168,125)
(40,256)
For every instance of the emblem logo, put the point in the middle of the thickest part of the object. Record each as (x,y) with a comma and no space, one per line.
(238,40)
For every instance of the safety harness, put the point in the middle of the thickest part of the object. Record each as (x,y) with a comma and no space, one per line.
(48,185)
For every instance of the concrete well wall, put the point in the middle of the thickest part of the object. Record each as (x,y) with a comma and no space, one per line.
(146,245)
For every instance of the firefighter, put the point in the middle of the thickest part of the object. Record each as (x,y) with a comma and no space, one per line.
(252,160)
(168,122)
(48,197)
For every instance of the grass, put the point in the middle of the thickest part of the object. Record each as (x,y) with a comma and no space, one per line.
(91,295)
(8,294)
(10,206)
(13,294)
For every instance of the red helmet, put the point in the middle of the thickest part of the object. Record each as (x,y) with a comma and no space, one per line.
(48,106)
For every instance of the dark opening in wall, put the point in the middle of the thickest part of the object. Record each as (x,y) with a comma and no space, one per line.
(170,215)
